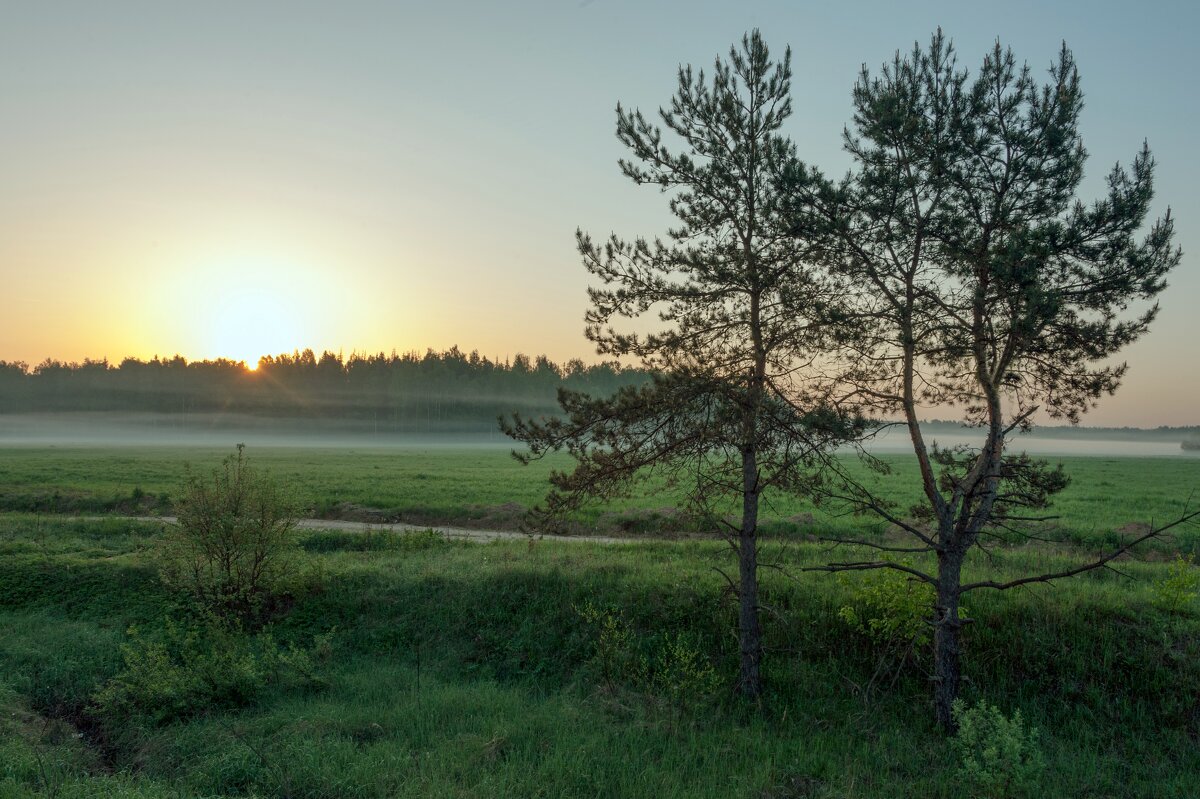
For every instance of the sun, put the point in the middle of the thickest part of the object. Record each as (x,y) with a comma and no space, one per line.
(242,307)
(244,325)
(257,312)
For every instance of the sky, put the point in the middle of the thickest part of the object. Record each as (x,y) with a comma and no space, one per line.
(227,179)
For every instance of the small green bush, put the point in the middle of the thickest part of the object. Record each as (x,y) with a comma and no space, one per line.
(672,668)
(233,549)
(614,653)
(998,756)
(680,673)
(888,607)
(1180,587)
(197,667)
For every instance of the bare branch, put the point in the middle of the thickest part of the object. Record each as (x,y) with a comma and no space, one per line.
(1096,564)
(868,566)
(880,547)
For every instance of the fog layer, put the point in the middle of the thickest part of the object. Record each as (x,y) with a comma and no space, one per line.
(227,429)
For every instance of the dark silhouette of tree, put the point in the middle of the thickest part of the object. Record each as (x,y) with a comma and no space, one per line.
(981,283)
(739,315)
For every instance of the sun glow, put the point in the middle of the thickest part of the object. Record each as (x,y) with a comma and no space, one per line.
(247,307)
(245,325)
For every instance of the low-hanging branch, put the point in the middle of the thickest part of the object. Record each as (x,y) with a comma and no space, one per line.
(1099,563)
(1093,565)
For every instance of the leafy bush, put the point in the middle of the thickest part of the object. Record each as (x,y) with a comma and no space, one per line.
(998,756)
(202,666)
(888,607)
(679,672)
(613,641)
(1180,587)
(672,668)
(233,548)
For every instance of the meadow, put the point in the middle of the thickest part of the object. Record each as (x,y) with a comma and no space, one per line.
(430,667)
(483,486)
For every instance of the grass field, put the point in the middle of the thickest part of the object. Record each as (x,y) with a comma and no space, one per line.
(444,668)
(485,487)
(466,670)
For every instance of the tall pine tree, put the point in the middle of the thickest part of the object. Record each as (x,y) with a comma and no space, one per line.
(739,316)
(981,283)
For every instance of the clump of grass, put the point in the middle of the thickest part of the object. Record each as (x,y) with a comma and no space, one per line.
(671,667)
(375,540)
(1180,587)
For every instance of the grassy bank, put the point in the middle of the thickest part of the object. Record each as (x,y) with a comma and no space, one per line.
(457,669)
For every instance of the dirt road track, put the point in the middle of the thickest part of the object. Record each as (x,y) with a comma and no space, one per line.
(450,532)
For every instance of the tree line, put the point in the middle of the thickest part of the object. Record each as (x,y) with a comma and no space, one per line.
(449,390)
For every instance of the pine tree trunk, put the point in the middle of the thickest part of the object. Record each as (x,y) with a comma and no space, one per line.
(749,628)
(947,671)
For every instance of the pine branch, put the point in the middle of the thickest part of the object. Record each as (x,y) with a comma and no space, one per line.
(1096,564)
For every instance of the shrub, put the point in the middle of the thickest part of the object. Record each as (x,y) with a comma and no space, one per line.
(196,667)
(233,548)
(1180,587)
(613,643)
(889,607)
(998,756)
(680,673)
(672,668)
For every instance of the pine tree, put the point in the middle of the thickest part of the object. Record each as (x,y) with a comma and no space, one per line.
(981,283)
(739,316)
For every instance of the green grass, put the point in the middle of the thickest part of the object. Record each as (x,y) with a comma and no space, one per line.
(485,487)
(466,670)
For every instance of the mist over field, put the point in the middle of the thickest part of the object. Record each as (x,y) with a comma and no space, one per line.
(115,429)
(448,398)
(1086,441)
(221,430)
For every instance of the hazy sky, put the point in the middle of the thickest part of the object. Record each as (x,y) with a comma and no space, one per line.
(229,179)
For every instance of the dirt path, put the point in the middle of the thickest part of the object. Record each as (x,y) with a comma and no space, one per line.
(466,533)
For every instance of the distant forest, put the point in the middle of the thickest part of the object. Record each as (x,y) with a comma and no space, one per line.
(436,391)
